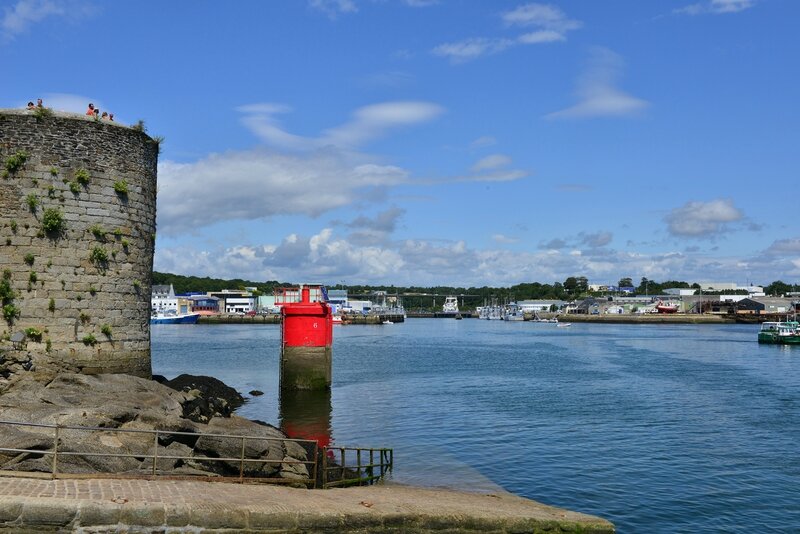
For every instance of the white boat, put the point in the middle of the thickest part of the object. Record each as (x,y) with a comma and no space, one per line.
(387,322)
(450,305)
(513,313)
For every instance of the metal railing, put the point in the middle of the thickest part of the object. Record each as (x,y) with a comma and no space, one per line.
(149,459)
(336,471)
(341,466)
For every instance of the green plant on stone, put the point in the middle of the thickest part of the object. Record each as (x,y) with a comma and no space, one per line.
(98,232)
(10,312)
(51,305)
(49,263)
(32,201)
(29,258)
(34,334)
(125,244)
(82,176)
(79,298)
(84,317)
(48,345)
(139,126)
(51,191)
(13,225)
(35,181)
(92,290)
(53,171)
(106,330)
(32,277)
(52,221)
(121,187)
(118,233)
(99,256)
(16,161)
(89,339)
(137,285)
(158,140)
(74,187)
(41,112)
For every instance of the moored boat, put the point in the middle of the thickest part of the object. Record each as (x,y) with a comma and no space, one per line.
(183,318)
(780,333)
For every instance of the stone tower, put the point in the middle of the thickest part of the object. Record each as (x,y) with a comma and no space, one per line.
(77,229)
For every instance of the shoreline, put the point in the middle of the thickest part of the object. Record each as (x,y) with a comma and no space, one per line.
(101,505)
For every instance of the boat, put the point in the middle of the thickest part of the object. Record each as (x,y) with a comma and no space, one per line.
(513,313)
(666,308)
(779,333)
(174,318)
(387,322)
(450,307)
(563,325)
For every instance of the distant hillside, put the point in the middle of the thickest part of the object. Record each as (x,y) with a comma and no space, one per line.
(185,284)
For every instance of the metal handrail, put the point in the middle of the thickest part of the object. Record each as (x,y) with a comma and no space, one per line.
(57,438)
(359,474)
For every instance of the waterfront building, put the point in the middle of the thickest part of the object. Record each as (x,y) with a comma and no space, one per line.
(234,301)
(531,306)
(761,305)
(163,299)
(204,304)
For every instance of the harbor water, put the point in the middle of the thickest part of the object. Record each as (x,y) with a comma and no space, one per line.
(658,428)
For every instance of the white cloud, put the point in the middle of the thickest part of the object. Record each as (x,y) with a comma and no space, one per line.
(21,16)
(548,24)
(420,3)
(789,246)
(367,124)
(504,239)
(329,258)
(540,16)
(333,8)
(256,184)
(491,162)
(716,7)
(462,51)
(483,141)
(541,36)
(702,219)
(596,240)
(597,93)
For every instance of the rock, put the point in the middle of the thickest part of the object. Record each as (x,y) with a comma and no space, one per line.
(129,403)
(256,392)
(208,397)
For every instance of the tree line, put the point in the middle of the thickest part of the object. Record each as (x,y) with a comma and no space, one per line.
(572,288)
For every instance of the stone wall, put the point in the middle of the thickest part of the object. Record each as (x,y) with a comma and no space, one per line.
(86,285)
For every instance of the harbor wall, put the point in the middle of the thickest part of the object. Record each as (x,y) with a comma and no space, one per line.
(81,287)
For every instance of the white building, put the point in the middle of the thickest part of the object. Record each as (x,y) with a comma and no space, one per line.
(240,304)
(163,299)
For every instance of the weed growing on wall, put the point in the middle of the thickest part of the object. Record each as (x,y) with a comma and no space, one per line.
(53,221)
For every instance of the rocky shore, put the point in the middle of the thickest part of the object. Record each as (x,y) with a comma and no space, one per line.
(39,393)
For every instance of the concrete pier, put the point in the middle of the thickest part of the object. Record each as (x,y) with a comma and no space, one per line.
(106,505)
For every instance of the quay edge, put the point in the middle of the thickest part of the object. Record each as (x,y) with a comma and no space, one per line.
(101,505)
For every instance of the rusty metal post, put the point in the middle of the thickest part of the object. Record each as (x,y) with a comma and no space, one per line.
(324,476)
(241,467)
(155,453)
(55,451)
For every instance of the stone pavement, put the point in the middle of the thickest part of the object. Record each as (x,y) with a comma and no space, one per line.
(113,505)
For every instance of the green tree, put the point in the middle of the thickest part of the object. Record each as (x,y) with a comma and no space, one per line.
(625,282)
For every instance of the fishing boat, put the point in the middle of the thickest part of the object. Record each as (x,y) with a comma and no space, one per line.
(780,333)
(666,308)
(174,318)
(450,308)
(513,313)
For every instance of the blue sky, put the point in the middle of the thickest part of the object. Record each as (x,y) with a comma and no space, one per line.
(444,142)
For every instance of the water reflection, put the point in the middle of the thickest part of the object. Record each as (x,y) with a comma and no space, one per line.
(306,415)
